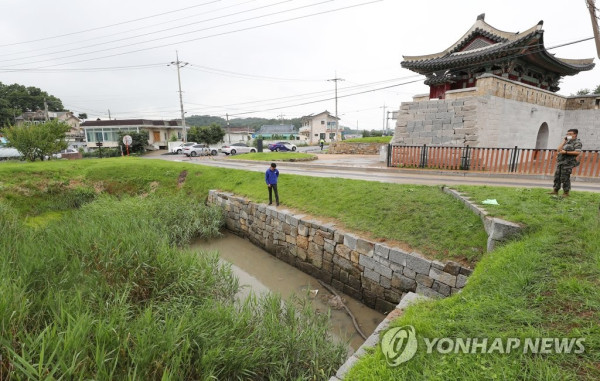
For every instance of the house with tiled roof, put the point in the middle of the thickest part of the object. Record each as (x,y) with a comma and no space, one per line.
(483,49)
(497,89)
(75,137)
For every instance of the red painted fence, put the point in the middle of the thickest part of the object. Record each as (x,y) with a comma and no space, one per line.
(492,160)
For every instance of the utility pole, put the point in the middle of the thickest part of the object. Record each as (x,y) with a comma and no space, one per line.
(179,65)
(387,123)
(228,130)
(592,8)
(337,122)
(383,128)
(109,114)
(281,116)
(45,110)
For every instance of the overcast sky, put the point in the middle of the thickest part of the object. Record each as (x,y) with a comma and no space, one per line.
(113,54)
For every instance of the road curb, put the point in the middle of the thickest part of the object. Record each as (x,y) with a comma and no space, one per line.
(432,172)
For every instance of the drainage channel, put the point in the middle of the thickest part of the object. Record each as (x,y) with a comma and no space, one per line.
(260,272)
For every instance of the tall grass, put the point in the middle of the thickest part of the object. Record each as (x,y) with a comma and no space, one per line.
(105,293)
(544,285)
(425,219)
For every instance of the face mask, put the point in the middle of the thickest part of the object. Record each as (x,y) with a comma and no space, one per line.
(569,137)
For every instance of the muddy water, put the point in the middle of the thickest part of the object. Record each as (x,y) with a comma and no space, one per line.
(259,272)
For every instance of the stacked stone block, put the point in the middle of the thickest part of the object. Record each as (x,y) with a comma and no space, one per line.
(355,148)
(376,274)
(437,122)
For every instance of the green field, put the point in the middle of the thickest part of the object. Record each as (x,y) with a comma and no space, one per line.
(275,156)
(544,286)
(81,298)
(96,283)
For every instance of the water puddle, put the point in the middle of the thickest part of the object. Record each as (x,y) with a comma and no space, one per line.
(259,272)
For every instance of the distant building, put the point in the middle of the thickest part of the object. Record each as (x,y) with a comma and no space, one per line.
(107,131)
(319,126)
(497,89)
(75,137)
(277,131)
(237,134)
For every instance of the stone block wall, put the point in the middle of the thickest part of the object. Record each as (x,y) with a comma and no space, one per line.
(438,122)
(590,137)
(498,113)
(355,148)
(376,274)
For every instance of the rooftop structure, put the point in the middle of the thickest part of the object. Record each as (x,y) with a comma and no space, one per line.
(519,56)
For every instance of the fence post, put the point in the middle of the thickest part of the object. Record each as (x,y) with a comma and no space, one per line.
(389,155)
(465,160)
(423,162)
(514,160)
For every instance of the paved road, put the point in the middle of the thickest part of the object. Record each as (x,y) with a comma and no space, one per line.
(371,169)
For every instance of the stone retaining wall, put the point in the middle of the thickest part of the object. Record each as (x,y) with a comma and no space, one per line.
(376,274)
(355,148)
(497,229)
(372,341)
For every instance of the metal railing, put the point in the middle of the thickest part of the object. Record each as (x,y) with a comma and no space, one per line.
(491,160)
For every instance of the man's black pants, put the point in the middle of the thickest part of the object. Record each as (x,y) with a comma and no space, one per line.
(272,188)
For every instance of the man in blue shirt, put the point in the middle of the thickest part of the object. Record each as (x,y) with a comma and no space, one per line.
(271,179)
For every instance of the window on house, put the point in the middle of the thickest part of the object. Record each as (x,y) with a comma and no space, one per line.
(322,122)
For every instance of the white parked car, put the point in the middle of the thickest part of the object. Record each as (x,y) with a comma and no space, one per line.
(234,148)
(199,150)
(179,149)
(68,151)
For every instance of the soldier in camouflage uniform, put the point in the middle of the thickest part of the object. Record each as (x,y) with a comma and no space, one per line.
(568,151)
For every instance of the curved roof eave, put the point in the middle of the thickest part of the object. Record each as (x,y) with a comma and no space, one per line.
(484,27)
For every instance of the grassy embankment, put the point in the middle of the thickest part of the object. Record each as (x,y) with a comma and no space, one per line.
(371,139)
(544,285)
(94,286)
(275,156)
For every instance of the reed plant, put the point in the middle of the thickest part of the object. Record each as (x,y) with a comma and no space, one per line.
(107,292)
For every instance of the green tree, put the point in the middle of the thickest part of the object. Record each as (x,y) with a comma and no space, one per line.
(597,90)
(139,141)
(583,92)
(36,141)
(16,99)
(82,115)
(212,134)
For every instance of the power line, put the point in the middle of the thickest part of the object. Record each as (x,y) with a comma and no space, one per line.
(396,85)
(311,95)
(367,91)
(136,29)
(209,36)
(91,69)
(111,25)
(234,74)
(177,34)
(328,99)
(160,31)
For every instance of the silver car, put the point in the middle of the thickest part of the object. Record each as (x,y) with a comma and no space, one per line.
(232,149)
(199,150)
(179,149)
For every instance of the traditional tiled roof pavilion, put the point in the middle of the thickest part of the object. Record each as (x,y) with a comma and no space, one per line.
(483,49)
